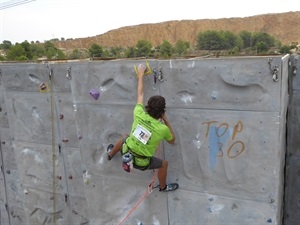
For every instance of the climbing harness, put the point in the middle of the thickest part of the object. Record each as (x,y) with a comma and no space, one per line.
(129,159)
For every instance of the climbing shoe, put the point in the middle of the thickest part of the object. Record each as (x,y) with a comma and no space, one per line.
(170,187)
(108,150)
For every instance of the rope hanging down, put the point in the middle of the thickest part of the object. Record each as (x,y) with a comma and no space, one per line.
(147,192)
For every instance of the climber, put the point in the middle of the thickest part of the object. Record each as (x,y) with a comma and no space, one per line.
(150,127)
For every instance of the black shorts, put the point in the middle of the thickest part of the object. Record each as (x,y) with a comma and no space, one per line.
(155,163)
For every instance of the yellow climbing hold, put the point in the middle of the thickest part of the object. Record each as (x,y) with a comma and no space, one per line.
(148,70)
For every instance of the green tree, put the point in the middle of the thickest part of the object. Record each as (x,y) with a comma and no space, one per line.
(75,54)
(6,45)
(210,40)
(166,49)
(285,49)
(48,45)
(16,52)
(52,52)
(116,52)
(129,52)
(261,46)
(37,50)
(263,39)
(181,47)
(143,48)
(231,40)
(246,36)
(27,47)
(21,58)
(95,50)
(106,53)
(60,54)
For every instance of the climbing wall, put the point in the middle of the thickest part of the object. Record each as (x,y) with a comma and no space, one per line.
(228,115)
(292,184)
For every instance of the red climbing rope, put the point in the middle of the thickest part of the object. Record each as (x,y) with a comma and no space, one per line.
(147,192)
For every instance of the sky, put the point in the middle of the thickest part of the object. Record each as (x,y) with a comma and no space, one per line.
(42,20)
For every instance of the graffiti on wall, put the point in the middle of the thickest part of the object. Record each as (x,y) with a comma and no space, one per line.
(223,140)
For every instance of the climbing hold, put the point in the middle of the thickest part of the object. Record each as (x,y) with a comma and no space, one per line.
(147,71)
(65,140)
(70,177)
(94,93)
(8,171)
(43,86)
(269,220)
(86,177)
(234,207)
(79,136)
(61,116)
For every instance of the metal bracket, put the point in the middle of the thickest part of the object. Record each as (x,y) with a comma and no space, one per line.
(50,72)
(274,70)
(154,74)
(158,75)
(0,75)
(68,76)
(294,67)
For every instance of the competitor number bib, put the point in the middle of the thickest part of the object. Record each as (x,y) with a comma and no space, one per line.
(142,134)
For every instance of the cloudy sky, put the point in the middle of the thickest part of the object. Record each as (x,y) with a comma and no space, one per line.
(43,20)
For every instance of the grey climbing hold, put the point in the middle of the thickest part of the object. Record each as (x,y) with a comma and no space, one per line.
(234,207)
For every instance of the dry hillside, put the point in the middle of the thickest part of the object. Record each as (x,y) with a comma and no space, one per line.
(283,26)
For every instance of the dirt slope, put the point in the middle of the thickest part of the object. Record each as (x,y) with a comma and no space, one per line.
(283,26)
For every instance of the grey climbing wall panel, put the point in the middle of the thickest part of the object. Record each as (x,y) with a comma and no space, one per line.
(292,184)
(228,115)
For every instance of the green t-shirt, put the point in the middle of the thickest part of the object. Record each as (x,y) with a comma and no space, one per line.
(146,133)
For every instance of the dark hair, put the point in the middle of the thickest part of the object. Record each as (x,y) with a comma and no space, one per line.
(156,106)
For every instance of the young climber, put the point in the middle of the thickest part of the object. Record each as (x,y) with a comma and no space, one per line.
(146,134)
